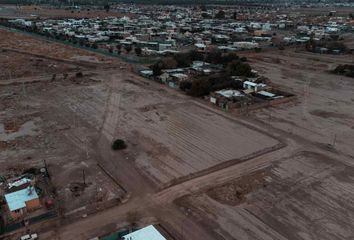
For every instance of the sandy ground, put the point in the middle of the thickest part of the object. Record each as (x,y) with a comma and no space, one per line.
(304,193)
(29,66)
(305,188)
(306,196)
(47,49)
(12,11)
(324,114)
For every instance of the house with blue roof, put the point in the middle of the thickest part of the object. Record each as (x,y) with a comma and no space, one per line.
(22,201)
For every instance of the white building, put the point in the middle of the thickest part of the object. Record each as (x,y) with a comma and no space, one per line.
(147,233)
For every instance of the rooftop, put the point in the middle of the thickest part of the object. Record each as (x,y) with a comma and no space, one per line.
(147,233)
(17,200)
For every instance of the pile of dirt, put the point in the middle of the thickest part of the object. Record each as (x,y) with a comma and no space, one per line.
(235,192)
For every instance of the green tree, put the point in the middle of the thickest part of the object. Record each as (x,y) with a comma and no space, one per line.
(107,7)
(200,87)
(214,57)
(185,85)
(237,68)
(220,15)
(119,144)
(157,68)
(138,51)
(128,48)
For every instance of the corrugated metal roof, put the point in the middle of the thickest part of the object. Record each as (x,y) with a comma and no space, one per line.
(147,233)
(17,200)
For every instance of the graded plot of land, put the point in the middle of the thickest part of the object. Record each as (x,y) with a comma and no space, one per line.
(38,47)
(47,123)
(307,196)
(325,101)
(51,12)
(17,65)
(183,139)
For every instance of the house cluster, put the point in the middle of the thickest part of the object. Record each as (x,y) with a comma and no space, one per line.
(250,91)
(173,77)
(164,29)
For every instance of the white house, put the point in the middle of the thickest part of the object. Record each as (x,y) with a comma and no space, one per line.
(254,86)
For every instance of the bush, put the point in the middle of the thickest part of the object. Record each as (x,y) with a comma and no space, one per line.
(79,74)
(119,144)
(138,51)
(220,14)
(237,68)
(185,85)
(214,57)
(243,59)
(200,87)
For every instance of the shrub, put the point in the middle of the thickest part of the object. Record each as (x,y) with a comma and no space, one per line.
(79,74)
(200,87)
(119,144)
(185,85)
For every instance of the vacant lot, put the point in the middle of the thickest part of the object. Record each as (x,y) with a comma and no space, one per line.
(18,65)
(37,46)
(184,139)
(63,121)
(34,11)
(306,196)
(324,112)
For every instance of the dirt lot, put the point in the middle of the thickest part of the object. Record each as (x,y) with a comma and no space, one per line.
(38,46)
(300,191)
(182,139)
(71,122)
(306,196)
(29,66)
(324,113)
(34,127)
(33,11)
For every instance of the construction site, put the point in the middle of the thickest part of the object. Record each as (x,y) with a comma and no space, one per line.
(193,170)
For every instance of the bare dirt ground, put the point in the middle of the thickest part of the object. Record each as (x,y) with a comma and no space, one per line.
(29,66)
(324,113)
(305,196)
(304,193)
(12,11)
(47,49)
(33,128)
(315,11)
(296,191)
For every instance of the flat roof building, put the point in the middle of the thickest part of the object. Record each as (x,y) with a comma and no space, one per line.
(147,233)
(21,201)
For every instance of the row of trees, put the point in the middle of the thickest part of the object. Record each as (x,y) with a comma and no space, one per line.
(231,64)
(183,60)
(203,85)
(82,42)
(219,15)
(313,46)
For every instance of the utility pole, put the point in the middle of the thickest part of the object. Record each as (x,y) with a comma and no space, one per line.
(46,168)
(83,176)
(334,140)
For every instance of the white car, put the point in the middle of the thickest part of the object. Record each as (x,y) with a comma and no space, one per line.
(33,236)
